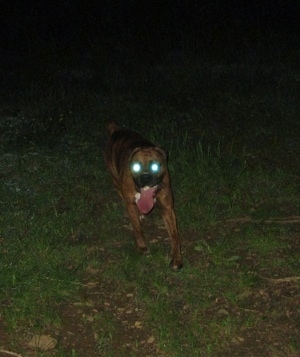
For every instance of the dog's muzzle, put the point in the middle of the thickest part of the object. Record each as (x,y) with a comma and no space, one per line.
(146,179)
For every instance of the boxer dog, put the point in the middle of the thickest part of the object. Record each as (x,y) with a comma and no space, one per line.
(139,172)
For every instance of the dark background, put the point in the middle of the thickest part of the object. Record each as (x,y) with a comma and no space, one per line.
(150,29)
(56,55)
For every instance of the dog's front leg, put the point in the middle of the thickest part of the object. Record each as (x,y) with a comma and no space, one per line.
(171,225)
(137,229)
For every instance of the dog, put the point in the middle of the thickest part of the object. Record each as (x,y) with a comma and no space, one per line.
(139,172)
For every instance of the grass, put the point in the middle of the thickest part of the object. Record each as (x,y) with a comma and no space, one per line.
(61,214)
(68,264)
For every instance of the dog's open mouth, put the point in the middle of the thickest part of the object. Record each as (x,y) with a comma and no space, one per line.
(145,199)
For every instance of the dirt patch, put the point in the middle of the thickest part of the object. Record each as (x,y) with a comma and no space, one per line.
(107,319)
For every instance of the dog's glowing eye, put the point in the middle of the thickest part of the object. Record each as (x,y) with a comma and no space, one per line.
(154,167)
(136,167)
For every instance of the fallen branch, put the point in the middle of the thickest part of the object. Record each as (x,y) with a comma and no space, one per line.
(247,219)
(288,279)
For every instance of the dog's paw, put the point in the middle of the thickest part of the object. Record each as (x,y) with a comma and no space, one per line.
(144,250)
(176,266)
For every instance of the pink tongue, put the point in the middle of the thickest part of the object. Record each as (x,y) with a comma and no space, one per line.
(146,201)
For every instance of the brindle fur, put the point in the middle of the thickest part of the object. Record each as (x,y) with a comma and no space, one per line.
(124,147)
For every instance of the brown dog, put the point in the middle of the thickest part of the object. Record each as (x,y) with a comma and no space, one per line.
(140,174)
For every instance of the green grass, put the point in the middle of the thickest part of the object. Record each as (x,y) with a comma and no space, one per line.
(60,218)
(67,257)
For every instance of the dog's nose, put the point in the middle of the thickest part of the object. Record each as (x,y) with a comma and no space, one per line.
(146,179)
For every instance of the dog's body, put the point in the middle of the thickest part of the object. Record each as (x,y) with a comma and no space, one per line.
(140,174)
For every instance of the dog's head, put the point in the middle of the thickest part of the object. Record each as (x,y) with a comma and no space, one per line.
(148,166)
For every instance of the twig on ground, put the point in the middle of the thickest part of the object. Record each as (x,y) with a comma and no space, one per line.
(10,353)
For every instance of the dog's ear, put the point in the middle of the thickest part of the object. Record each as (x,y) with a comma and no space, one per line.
(163,152)
(112,127)
(134,151)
